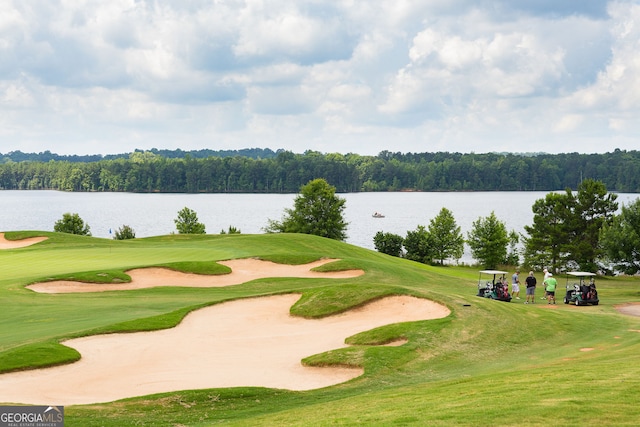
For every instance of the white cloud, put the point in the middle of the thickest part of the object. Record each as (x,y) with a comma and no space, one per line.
(568,123)
(287,31)
(308,74)
(16,95)
(614,97)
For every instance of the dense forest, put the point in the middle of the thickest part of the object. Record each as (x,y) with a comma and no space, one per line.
(45,156)
(266,171)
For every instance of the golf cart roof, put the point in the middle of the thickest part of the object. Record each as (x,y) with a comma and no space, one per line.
(580,273)
(493,272)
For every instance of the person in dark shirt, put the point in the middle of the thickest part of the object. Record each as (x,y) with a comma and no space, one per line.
(531,288)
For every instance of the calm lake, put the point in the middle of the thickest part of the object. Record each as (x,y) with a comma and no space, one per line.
(153,214)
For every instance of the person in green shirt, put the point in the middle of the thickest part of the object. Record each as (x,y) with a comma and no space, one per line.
(550,284)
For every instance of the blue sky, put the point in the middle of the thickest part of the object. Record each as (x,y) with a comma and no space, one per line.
(101,77)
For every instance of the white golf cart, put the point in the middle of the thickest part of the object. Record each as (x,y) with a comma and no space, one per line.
(493,284)
(582,289)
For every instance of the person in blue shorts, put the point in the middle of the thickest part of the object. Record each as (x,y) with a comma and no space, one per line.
(531,288)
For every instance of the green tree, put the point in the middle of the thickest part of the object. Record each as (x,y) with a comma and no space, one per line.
(231,230)
(593,208)
(566,227)
(488,241)
(187,222)
(72,224)
(620,240)
(445,237)
(513,255)
(123,233)
(388,243)
(548,239)
(317,210)
(418,245)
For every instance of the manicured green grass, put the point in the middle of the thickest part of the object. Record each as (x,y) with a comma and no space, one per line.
(488,363)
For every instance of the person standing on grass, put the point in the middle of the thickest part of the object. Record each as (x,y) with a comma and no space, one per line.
(531,288)
(515,285)
(546,276)
(550,284)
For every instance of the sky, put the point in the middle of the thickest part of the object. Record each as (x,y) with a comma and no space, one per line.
(345,76)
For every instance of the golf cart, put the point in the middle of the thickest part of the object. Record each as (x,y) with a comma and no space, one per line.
(495,286)
(581,292)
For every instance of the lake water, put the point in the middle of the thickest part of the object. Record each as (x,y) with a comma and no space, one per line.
(153,214)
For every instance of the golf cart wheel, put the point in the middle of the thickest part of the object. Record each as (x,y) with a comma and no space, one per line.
(566,300)
(577,302)
(595,302)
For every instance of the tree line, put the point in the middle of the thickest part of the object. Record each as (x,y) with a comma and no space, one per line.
(45,156)
(286,172)
(571,230)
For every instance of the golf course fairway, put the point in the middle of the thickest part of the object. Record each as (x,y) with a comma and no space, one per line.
(288,329)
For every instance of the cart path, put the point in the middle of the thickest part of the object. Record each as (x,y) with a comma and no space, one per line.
(631,308)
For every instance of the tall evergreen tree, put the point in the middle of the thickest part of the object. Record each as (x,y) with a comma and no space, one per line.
(488,241)
(620,240)
(566,227)
(548,241)
(513,254)
(593,208)
(446,237)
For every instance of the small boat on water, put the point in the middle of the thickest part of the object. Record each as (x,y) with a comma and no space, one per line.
(377,215)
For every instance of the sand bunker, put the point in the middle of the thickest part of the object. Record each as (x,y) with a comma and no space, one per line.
(631,309)
(242,270)
(250,342)
(14,244)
